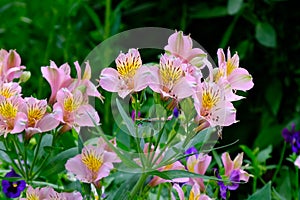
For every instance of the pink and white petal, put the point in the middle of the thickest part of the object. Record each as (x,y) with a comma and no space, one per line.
(30,131)
(86,115)
(228,163)
(78,69)
(204,161)
(297,162)
(75,166)
(179,191)
(58,112)
(71,196)
(104,171)
(196,53)
(221,58)
(141,78)
(87,72)
(224,115)
(20,123)
(109,80)
(183,89)
(47,123)
(238,161)
(240,79)
(110,157)
(124,92)
(244,176)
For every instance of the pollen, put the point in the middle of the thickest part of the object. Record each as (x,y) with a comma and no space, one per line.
(92,160)
(169,73)
(210,98)
(71,104)
(7,92)
(128,67)
(32,197)
(35,113)
(8,110)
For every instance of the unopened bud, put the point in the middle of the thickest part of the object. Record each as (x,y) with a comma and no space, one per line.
(25,77)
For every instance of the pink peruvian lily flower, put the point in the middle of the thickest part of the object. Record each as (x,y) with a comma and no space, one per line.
(198,164)
(37,193)
(12,120)
(73,111)
(229,70)
(10,65)
(10,89)
(174,166)
(57,78)
(236,164)
(211,105)
(169,79)
(130,76)
(83,83)
(194,193)
(39,120)
(93,164)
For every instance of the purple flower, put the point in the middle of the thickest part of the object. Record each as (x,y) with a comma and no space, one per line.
(292,137)
(13,189)
(176,112)
(191,150)
(232,185)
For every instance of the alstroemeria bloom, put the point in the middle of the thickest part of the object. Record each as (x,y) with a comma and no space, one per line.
(194,193)
(93,164)
(10,65)
(39,120)
(198,164)
(238,78)
(48,193)
(83,83)
(10,89)
(169,79)
(236,164)
(211,105)
(12,120)
(73,111)
(129,77)
(57,78)
(174,166)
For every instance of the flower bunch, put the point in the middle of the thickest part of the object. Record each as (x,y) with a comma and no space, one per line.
(173,105)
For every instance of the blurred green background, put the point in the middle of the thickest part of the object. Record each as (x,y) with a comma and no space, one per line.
(266,34)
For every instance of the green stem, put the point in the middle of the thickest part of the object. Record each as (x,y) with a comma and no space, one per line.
(35,155)
(254,184)
(280,161)
(138,186)
(297,183)
(159,191)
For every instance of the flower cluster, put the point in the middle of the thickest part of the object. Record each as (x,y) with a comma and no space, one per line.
(34,126)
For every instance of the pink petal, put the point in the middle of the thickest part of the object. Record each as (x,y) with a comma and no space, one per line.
(20,123)
(297,162)
(238,161)
(48,122)
(76,166)
(141,80)
(227,162)
(240,79)
(104,171)
(179,191)
(85,114)
(109,80)
(183,88)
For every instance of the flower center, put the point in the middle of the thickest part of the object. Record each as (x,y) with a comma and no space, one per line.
(32,197)
(71,104)
(92,160)
(209,100)
(8,110)
(7,92)
(169,73)
(127,68)
(230,67)
(35,113)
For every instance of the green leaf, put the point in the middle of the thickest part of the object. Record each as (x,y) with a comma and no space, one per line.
(274,90)
(46,142)
(233,6)
(264,154)
(205,12)
(265,34)
(263,193)
(57,163)
(172,174)
(127,120)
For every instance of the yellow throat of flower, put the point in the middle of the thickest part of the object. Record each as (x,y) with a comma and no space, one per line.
(230,67)
(34,114)
(170,74)
(71,104)
(32,197)
(7,92)
(92,160)
(128,68)
(8,110)
(209,99)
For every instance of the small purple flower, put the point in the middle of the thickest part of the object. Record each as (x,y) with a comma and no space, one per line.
(176,112)
(13,189)
(292,137)
(191,150)
(232,185)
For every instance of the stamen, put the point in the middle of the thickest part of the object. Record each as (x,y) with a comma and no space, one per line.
(92,160)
